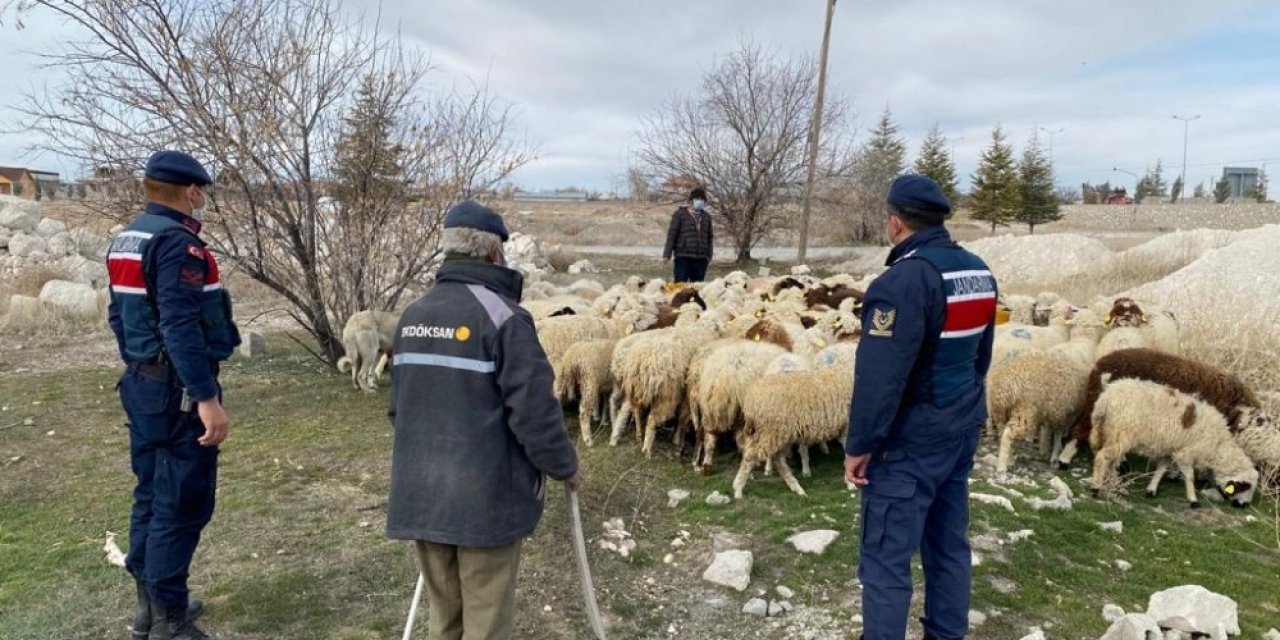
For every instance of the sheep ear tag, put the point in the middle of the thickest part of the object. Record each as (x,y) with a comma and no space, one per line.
(882,322)
(1230,489)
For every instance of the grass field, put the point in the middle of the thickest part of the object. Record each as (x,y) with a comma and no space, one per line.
(296,548)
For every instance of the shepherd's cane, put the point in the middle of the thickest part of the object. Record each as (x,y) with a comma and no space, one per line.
(584,570)
(413,608)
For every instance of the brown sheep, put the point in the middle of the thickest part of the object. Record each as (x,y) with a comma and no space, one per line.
(786,283)
(1220,389)
(832,296)
(687,295)
(769,331)
(1125,313)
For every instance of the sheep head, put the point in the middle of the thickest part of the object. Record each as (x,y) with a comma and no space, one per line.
(687,295)
(1125,313)
(1239,490)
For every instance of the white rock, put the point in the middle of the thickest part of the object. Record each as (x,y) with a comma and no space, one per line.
(717,499)
(1036,634)
(39,257)
(1124,565)
(1111,612)
(999,501)
(784,592)
(676,496)
(582,266)
(1113,527)
(800,270)
(1019,536)
(23,245)
(5,234)
(1271,635)
(83,270)
(253,345)
(814,542)
(730,569)
(976,618)
(975,559)
(669,558)
(61,244)
(18,214)
(787,607)
(1201,607)
(24,311)
(1133,626)
(756,607)
(775,608)
(1059,486)
(48,227)
(72,297)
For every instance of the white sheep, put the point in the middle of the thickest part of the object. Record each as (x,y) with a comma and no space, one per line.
(815,410)
(1167,425)
(651,374)
(584,373)
(1040,393)
(723,379)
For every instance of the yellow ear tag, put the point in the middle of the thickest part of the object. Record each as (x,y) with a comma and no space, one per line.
(1230,489)
(757,338)
(1107,320)
(821,342)
(628,330)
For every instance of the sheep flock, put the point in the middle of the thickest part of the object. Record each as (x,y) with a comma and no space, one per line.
(765,364)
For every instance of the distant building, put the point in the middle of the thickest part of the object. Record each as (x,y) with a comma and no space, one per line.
(1240,180)
(28,184)
(552,196)
(677,187)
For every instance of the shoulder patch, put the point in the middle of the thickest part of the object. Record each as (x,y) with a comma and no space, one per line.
(191,278)
(196,252)
(882,321)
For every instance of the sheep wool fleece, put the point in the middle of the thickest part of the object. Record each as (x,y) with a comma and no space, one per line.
(919,402)
(476,423)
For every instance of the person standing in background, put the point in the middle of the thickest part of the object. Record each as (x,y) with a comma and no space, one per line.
(689,239)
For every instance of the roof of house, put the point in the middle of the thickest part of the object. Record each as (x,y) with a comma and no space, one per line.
(13,173)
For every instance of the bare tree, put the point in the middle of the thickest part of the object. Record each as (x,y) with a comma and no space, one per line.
(259,90)
(743,137)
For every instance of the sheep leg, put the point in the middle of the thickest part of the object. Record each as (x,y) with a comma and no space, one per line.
(824,448)
(620,420)
(768,466)
(1162,466)
(1068,453)
(740,480)
(708,452)
(804,461)
(650,434)
(1057,446)
(1046,436)
(1189,482)
(1006,451)
(784,472)
(587,408)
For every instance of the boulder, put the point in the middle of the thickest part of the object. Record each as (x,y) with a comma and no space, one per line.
(1111,612)
(24,312)
(814,542)
(1036,634)
(60,244)
(253,345)
(75,298)
(89,244)
(48,227)
(1134,626)
(1205,610)
(18,214)
(39,257)
(730,569)
(1271,635)
(676,496)
(23,244)
(756,607)
(80,269)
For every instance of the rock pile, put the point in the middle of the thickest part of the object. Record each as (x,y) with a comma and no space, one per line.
(28,240)
(524,254)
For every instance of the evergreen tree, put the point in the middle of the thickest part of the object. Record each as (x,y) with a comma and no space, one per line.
(881,159)
(1156,186)
(367,171)
(936,162)
(1259,189)
(1037,198)
(1199,190)
(994,196)
(1176,191)
(1221,190)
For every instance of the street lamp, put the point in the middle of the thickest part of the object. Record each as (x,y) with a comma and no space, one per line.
(1186,124)
(1051,133)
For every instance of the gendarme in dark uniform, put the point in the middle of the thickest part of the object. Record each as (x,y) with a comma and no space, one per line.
(172,322)
(919,403)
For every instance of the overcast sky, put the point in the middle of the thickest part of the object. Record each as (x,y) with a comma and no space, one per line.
(1109,74)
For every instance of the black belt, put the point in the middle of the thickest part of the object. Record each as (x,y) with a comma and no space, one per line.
(155,371)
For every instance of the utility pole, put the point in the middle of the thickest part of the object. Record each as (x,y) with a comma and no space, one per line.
(815,127)
(1186,124)
(1051,134)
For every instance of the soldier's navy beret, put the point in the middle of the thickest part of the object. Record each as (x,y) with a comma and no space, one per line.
(920,198)
(176,167)
(473,215)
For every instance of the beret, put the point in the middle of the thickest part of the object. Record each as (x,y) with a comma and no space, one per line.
(176,167)
(473,215)
(920,198)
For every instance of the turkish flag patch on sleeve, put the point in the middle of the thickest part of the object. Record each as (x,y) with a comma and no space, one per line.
(193,278)
(196,252)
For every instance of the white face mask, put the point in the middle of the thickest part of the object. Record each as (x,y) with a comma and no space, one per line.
(198,212)
(699,204)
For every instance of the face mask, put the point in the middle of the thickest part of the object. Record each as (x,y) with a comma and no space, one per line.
(198,212)
(699,205)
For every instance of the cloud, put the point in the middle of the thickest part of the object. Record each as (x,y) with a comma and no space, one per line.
(582,73)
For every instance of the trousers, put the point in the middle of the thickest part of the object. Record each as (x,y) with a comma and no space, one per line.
(176,483)
(471,591)
(690,269)
(910,503)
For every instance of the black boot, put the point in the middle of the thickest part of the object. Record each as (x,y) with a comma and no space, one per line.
(174,625)
(142,616)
